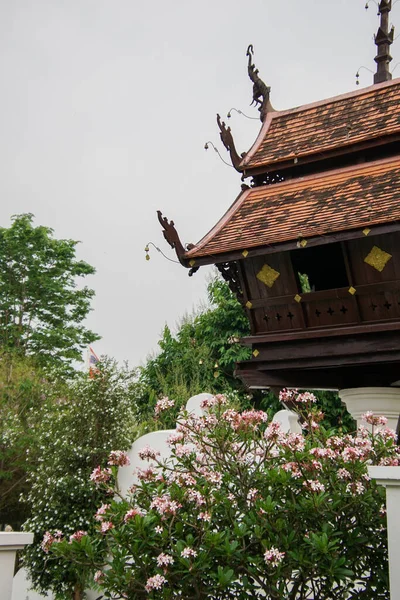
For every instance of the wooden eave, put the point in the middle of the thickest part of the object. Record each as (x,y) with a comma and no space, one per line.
(319,240)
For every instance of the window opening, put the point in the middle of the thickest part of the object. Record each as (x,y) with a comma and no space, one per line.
(320,268)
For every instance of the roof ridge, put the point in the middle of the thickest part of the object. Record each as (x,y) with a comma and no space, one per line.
(354,94)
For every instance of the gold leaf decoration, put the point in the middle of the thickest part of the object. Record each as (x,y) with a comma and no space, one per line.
(249,305)
(268,275)
(302,243)
(256,353)
(377,259)
(245,253)
(352,290)
(297,298)
(366,231)
(192,262)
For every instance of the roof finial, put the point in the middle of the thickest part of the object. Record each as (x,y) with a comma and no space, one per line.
(383,40)
(260,90)
(227,140)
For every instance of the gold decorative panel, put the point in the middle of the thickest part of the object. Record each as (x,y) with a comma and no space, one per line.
(192,262)
(377,258)
(256,353)
(352,290)
(249,305)
(268,275)
(366,231)
(297,298)
(245,253)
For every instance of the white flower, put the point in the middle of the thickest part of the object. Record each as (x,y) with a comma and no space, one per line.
(273,557)
(187,552)
(163,560)
(155,583)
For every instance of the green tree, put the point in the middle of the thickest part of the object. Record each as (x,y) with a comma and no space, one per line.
(23,394)
(90,418)
(41,307)
(202,357)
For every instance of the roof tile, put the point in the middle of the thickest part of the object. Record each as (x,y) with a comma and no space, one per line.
(361,116)
(340,200)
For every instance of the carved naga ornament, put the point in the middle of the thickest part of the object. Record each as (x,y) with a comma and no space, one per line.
(260,90)
(227,140)
(171,235)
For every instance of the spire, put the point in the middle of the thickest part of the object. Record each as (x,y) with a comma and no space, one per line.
(383,40)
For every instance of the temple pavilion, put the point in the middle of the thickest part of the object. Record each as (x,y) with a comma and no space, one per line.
(311,245)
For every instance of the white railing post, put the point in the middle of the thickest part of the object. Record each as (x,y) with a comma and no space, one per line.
(10,542)
(389,477)
(379,400)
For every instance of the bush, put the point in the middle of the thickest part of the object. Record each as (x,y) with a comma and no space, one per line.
(81,428)
(244,510)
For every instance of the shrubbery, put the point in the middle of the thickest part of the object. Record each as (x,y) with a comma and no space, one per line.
(244,510)
(78,431)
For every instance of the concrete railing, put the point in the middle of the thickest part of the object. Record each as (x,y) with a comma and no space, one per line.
(389,477)
(10,542)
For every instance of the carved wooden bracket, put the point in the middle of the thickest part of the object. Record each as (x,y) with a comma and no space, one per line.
(230,274)
(227,140)
(171,235)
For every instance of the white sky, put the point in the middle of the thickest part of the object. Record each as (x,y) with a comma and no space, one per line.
(105,106)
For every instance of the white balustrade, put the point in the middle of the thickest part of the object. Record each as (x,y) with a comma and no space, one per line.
(10,542)
(389,477)
(383,401)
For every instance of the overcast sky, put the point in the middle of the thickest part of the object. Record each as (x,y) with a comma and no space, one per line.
(105,106)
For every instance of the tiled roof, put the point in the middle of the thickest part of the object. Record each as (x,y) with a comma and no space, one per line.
(334,201)
(328,125)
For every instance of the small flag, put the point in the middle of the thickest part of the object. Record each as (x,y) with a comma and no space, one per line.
(93,360)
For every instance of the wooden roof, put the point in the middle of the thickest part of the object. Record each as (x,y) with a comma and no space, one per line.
(339,200)
(363,116)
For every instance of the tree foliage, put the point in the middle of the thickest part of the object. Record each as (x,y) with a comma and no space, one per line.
(41,307)
(201,357)
(23,394)
(88,418)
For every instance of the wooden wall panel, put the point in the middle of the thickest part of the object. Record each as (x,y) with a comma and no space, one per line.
(282,316)
(380,306)
(359,249)
(324,313)
(325,308)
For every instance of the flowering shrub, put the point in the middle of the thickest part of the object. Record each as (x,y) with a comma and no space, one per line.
(78,431)
(244,510)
